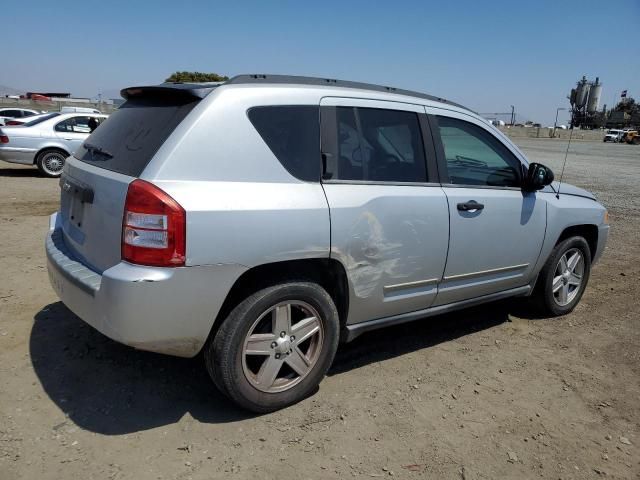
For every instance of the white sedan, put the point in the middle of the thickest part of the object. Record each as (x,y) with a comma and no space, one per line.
(47,140)
(15,113)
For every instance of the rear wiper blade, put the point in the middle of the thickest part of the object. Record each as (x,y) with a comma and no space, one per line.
(95,149)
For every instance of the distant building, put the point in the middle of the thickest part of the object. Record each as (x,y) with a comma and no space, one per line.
(48,94)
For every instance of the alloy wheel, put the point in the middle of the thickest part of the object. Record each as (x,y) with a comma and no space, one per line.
(282,346)
(52,163)
(567,277)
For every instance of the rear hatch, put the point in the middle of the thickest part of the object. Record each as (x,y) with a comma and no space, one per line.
(95,180)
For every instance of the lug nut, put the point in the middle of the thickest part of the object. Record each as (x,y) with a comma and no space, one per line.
(274,344)
(278,356)
(293,338)
(283,334)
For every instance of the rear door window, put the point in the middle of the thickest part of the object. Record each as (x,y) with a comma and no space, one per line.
(292,132)
(127,140)
(78,124)
(379,145)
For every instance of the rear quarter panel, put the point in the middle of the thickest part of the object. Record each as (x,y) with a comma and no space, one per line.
(252,223)
(35,138)
(242,205)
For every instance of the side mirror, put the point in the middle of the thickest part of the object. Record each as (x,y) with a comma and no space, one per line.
(537,177)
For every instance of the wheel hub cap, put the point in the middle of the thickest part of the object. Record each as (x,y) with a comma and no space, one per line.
(282,346)
(53,163)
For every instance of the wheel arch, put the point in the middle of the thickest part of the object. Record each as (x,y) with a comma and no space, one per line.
(329,273)
(587,231)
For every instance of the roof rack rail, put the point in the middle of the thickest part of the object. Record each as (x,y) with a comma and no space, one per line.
(317,81)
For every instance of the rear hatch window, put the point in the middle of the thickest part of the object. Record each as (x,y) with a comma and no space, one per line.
(127,141)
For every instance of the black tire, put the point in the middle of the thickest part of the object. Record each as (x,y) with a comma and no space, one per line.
(543,295)
(223,353)
(48,158)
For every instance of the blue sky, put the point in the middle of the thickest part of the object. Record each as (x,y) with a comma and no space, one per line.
(485,55)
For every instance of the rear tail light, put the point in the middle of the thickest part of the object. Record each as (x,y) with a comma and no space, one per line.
(153,227)
(12,122)
(4,139)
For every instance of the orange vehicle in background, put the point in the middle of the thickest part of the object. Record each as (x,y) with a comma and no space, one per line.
(632,137)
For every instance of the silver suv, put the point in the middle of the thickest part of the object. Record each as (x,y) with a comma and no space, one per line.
(264,219)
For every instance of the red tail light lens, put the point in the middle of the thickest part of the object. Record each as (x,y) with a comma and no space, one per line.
(4,139)
(13,122)
(153,227)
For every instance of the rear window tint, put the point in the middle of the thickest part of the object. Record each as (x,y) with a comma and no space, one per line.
(127,141)
(293,135)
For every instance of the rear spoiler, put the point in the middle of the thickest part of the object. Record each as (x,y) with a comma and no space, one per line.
(174,90)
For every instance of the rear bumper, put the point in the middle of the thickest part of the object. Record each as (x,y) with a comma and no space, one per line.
(25,156)
(164,310)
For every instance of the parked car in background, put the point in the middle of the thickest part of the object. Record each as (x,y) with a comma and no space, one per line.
(47,141)
(79,110)
(15,113)
(614,135)
(263,220)
(24,120)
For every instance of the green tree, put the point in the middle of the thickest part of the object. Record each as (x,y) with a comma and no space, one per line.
(185,77)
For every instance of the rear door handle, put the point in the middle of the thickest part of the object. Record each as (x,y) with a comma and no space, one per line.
(470,206)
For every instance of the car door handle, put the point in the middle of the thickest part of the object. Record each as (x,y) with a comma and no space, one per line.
(470,206)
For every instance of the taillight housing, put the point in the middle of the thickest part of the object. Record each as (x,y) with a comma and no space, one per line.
(8,123)
(4,139)
(153,227)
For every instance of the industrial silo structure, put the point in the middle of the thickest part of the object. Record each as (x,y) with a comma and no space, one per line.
(582,93)
(584,100)
(595,91)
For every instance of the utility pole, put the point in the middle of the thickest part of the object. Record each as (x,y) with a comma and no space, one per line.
(513,115)
(555,124)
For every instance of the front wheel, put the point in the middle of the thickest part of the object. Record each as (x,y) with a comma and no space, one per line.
(564,277)
(275,347)
(51,162)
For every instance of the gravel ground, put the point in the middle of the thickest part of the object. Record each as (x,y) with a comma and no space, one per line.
(490,392)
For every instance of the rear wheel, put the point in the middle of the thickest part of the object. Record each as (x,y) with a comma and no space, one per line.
(564,277)
(50,162)
(275,347)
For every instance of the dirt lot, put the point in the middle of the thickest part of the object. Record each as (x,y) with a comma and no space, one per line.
(491,392)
